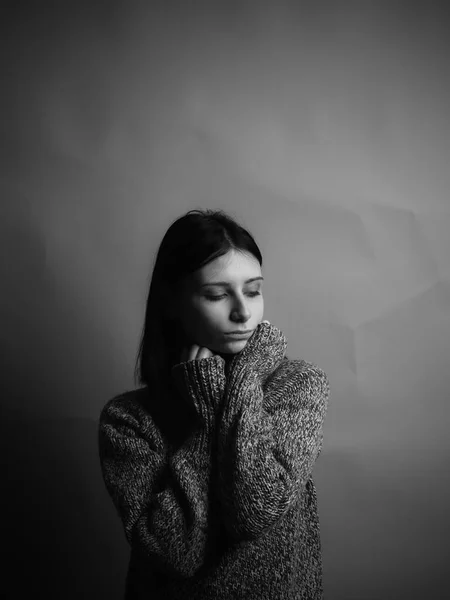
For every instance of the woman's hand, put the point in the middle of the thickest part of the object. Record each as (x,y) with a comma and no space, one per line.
(195,352)
(264,350)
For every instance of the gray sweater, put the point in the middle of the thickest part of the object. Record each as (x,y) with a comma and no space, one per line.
(214,484)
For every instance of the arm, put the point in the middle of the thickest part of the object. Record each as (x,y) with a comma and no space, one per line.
(163,500)
(268,444)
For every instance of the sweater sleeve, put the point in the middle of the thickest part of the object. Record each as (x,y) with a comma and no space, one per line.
(268,444)
(162,499)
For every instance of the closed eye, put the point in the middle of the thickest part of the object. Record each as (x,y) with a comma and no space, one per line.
(215,298)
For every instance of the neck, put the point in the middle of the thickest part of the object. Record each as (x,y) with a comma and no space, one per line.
(227,357)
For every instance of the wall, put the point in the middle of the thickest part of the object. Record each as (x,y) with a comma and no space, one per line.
(323,128)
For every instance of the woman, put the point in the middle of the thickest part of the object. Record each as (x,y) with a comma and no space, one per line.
(209,464)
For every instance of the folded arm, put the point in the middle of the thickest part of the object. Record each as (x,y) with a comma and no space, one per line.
(163,499)
(268,444)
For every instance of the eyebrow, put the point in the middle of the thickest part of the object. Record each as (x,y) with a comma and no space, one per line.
(227,283)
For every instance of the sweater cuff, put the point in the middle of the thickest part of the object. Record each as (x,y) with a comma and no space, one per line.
(201,382)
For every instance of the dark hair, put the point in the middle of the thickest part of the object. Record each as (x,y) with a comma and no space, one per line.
(192,241)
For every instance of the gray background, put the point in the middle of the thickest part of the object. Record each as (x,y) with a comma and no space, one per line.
(324,129)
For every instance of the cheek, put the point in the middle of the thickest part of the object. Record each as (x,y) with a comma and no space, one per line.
(212,314)
(213,321)
(201,317)
(262,305)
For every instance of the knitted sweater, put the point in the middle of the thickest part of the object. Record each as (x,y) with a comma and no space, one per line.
(214,485)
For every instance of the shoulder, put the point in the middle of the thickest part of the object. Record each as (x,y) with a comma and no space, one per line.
(300,375)
(126,419)
(297,367)
(127,407)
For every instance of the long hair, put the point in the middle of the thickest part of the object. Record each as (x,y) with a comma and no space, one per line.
(192,241)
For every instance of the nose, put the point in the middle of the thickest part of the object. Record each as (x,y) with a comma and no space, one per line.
(240,311)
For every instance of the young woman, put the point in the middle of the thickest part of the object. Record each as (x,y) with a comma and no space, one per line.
(209,464)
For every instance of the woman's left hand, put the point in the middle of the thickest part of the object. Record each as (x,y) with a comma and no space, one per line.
(263,351)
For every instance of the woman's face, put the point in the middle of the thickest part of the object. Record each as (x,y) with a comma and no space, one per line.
(208,311)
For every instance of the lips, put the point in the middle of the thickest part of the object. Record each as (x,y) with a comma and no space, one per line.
(240,334)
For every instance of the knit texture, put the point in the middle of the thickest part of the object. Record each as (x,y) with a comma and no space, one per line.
(213,483)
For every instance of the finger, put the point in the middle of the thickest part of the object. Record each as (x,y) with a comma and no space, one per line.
(193,350)
(204,353)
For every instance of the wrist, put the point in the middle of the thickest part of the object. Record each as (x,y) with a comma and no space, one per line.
(201,380)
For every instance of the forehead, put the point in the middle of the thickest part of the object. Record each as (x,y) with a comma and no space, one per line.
(233,267)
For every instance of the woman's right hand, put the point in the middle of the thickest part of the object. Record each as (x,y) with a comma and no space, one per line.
(195,352)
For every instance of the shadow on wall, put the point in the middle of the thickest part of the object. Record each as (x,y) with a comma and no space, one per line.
(63,534)
(383,538)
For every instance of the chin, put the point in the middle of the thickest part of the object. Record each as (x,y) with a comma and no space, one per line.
(236,345)
(232,347)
